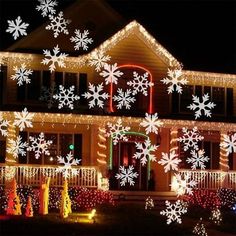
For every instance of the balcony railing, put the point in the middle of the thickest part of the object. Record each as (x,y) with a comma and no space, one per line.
(210,179)
(34,174)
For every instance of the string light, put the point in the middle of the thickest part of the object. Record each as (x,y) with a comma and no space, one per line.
(200,229)
(227,197)
(149,203)
(216,216)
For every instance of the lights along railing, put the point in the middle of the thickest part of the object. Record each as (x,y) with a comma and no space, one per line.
(86,176)
(210,179)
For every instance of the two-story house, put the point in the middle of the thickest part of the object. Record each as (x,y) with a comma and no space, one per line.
(83,129)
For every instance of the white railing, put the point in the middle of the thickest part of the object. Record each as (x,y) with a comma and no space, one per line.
(210,179)
(33,175)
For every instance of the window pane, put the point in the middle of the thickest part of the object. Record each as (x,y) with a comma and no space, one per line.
(186,98)
(71,79)
(82,87)
(215,155)
(230,104)
(58,79)
(218,97)
(46,78)
(65,141)
(52,158)
(2,151)
(78,147)
(33,89)
(23,159)
(207,149)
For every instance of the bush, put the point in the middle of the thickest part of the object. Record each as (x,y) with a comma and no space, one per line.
(227,197)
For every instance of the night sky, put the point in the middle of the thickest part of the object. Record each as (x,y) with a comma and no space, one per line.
(199,34)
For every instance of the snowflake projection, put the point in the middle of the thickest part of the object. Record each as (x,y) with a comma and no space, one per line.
(140,83)
(126,175)
(111,73)
(190,138)
(174,211)
(229,143)
(39,145)
(98,59)
(145,151)
(68,162)
(197,159)
(17,28)
(169,161)
(47,94)
(81,40)
(17,147)
(47,7)
(58,24)
(22,74)
(124,98)
(184,185)
(66,97)
(175,80)
(151,123)
(117,131)
(54,58)
(3,126)
(201,106)
(96,95)
(23,119)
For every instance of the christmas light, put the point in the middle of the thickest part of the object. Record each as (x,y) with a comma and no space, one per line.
(149,203)
(200,229)
(227,197)
(216,216)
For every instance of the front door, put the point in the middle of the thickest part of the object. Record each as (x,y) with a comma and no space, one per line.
(123,154)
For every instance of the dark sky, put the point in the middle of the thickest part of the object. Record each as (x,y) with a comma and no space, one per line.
(200,34)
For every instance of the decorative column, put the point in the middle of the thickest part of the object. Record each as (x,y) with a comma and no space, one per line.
(102,149)
(224,161)
(11,130)
(173,148)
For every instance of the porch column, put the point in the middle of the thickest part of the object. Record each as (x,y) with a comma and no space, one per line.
(224,161)
(173,140)
(11,129)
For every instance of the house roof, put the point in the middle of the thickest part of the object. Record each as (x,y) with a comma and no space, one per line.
(96,16)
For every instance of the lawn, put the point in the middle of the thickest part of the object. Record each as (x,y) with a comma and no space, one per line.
(121,219)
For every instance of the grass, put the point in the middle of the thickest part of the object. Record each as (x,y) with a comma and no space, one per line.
(122,219)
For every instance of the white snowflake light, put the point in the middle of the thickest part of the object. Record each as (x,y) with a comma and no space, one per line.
(68,163)
(184,185)
(175,80)
(199,229)
(201,106)
(46,7)
(58,24)
(126,175)
(216,216)
(23,119)
(22,74)
(17,147)
(197,159)
(229,143)
(169,161)
(140,83)
(111,73)
(39,145)
(98,59)
(174,211)
(123,98)
(145,150)
(81,40)
(117,131)
(54,58)
(17,28)
(151,123)
(66,97)
(3,126)
(149,203)
(190,138)
(96,95)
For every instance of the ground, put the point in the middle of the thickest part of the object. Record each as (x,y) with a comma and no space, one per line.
(122,219)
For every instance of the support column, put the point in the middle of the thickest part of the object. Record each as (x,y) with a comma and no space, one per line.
(11,129)
(224,161)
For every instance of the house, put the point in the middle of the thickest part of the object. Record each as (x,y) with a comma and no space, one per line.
(83,129)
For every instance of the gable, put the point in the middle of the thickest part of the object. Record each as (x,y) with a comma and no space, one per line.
(96,16)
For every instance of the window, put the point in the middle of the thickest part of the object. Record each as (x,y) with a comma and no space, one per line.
(3,79)
(61,146)
(222,97)
(82,87)
(38,79)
